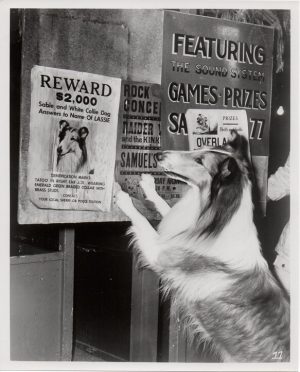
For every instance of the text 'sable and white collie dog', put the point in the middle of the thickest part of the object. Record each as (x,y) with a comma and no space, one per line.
(208,256)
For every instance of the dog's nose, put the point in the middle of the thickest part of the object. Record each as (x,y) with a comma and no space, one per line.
(159,156)
(162,155)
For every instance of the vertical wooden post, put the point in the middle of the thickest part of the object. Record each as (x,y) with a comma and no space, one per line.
(177,338)
(180,350)
(66,245)
(144,314)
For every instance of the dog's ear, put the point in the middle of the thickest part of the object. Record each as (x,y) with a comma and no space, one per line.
(238,143)
(63,124)
(234,139)
(229,169)
(226,177)
(83,132)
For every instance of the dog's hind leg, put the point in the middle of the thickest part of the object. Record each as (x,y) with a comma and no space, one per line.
(144,234)
(148,186)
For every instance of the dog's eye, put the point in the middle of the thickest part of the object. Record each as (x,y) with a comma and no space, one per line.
(199,161)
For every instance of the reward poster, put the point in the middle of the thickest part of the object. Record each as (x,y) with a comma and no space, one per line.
(73,133)
(213,64)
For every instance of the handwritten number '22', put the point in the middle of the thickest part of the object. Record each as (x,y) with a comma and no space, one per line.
(277,355)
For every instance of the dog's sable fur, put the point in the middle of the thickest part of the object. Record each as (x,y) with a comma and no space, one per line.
(71,150)
(208,255)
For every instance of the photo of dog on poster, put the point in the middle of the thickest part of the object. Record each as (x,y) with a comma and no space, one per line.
(70,152)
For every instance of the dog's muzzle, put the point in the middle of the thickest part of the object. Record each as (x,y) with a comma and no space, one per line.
(159,156)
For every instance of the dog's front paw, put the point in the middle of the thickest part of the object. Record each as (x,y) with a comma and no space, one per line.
(124,202)
(148,185)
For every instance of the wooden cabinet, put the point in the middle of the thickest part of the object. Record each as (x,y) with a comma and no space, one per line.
(41,287)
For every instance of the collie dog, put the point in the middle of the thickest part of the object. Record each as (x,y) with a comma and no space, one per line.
(208,255)
(71,149)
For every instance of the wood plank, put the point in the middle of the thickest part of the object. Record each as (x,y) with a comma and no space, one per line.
(144,314)
(43,257)
(66,245)
(181,349)
(189,11)
(93,353)
(177,338)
